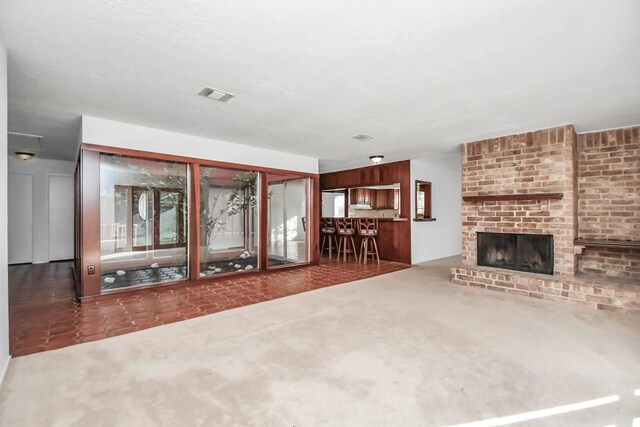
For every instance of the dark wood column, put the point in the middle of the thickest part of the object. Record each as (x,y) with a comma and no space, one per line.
(194,222)
(313,225)
(90,224)
(263,217)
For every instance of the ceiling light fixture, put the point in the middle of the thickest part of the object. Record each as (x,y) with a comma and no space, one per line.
(376,158)
(24,155)
(362,137)
(215,94)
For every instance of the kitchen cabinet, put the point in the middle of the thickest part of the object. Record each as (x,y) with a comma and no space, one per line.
(377,199)
(363,196)
(381,199)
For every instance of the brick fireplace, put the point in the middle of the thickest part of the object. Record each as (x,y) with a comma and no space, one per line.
(566,189)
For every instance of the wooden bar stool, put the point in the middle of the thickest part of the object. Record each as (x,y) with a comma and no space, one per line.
(368,229)
(328,230)
(346,230)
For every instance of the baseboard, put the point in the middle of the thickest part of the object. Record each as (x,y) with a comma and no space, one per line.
(3,370)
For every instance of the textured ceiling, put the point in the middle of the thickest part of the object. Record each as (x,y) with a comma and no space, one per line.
(421,76)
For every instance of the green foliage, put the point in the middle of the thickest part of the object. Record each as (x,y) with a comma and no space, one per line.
(241,198)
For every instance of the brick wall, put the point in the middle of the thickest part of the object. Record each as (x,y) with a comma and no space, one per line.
(609,199)
(536,162)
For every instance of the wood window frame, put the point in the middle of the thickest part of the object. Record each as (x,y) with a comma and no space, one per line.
(89,215)
(426,188)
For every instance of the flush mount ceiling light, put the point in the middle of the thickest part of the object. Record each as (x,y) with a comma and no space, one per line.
(215,94)
(362,137)
(376,158)
(24,155)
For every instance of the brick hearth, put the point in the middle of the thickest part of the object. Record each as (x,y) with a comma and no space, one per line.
(598,175)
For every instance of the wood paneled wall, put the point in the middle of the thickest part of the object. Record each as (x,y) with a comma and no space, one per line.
(394,239)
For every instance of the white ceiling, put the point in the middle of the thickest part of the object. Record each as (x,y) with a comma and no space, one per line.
(421,76)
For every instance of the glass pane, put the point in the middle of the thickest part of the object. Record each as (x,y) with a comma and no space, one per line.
(287,220)
(143,221)
(170,221)
(142,205)
(228,220)
(121,218)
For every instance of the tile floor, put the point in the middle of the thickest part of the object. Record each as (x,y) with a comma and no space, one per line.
(44,314)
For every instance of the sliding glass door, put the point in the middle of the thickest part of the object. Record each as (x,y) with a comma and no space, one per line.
(288,241)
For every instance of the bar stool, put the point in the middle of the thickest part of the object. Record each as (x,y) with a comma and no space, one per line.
(368,229)
(328,230)
(346,230)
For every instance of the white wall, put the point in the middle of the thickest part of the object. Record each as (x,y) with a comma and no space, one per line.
(443,237)
(4,277)
(123,135)
(41,170)
(20,190)
(328,204)
(61,215)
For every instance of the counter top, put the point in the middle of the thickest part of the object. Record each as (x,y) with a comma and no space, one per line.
(393,219)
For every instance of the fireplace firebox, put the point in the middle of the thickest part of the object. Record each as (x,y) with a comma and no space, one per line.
(522,252)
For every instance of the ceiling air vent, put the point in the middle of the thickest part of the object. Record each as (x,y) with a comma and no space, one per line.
(216,94)
(362,137)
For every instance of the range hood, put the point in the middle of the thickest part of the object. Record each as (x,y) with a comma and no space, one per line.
(360,206)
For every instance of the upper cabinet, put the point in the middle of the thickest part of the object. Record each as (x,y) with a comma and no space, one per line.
(381,199)
(375,198)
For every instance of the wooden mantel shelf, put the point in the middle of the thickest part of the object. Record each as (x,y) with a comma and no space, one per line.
(594,243)
(503,197)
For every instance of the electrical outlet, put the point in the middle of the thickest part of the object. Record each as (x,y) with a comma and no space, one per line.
(91,269)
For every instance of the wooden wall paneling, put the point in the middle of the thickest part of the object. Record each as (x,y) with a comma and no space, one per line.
(90,223)
(77,238)
(394,236)
(194,222)
(389,173)
(313,225)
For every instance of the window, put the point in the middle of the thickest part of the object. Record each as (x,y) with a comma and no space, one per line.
(423,201)
(143,221)
(228,220)
(287,243)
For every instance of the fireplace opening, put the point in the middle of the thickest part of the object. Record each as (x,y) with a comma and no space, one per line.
(522,252)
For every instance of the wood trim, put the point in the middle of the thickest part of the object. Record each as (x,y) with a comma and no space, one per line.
(184,159)
(89,213)
(90,222)
(117,293)
(595,243)
(263,219)
(423,219)
(426,215)
(77,227)
(194,222)
(504,197)
(313,224)
(382,174)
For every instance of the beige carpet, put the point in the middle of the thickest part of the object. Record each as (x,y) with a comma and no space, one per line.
(404,349)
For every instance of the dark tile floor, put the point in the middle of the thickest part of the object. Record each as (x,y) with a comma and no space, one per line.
(44,314)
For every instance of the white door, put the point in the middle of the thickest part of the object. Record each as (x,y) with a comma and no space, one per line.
(20,202)
(61,207)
